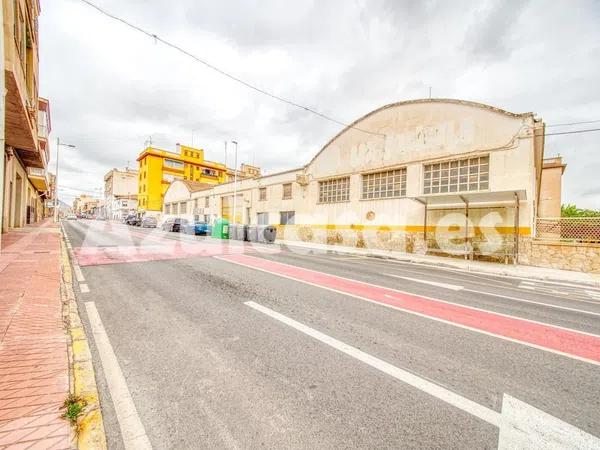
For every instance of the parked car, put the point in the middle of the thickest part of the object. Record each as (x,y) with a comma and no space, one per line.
(149,222)
(198,229)
(71,217)
(132,219)
(100,218)
(174,224)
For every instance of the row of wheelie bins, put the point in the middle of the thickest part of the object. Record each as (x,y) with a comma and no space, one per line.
(264,234)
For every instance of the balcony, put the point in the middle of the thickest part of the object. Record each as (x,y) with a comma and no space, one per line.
(39,178)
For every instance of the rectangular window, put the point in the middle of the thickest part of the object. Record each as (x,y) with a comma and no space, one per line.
(262,194)
(209,172)
(287,191)
(206,202)
(387,184)
(262,218)
(287,217)
(174,164)
(332,191)
(460,175)
(182,208)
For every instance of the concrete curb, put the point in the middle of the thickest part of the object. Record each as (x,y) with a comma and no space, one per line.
(487,269)
(90,426)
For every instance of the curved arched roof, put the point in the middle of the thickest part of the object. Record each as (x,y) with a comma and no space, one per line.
(418,101)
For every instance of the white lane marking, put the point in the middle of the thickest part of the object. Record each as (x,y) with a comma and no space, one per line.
(526,427)
(453,287)
(533,302)
(593,294)
(132,429)
(524,286)
(504,284)
(83,287)
(78,273)
(521,425)
(458,288)
(492,276)
(414,313)
(430,388)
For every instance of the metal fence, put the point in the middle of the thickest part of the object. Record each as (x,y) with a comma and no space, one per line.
(569,229)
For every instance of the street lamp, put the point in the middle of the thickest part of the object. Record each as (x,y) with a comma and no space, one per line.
(58,144)
(235,182)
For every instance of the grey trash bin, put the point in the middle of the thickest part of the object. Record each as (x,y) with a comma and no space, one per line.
(253,233)
(266,234)
(269,234)
(243,232)
(233,231)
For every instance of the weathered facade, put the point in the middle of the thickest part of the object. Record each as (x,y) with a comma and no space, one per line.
(26,184)
(435,176)
(120,193)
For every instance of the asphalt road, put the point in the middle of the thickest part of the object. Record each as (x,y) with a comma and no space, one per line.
(234,346)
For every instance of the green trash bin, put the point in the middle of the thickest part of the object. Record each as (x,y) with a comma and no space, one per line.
(220,229)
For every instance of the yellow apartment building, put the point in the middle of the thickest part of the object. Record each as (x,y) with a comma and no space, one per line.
(159,168)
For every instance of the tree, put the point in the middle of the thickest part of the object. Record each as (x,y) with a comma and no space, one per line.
(570,210)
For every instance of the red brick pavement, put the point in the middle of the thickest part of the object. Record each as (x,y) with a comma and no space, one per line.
(34,365)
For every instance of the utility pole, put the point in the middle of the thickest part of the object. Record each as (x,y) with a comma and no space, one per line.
(235,182)
(58,144)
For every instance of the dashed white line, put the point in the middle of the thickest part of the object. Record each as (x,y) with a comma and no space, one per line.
(78,274)
(132,428)
(453,287)
(83,287)
(521,425)
(459,288)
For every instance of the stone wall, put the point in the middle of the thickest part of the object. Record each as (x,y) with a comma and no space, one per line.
(382,238)
(580,257)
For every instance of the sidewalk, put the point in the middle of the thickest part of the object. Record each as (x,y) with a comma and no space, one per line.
(34,364)
(512,270)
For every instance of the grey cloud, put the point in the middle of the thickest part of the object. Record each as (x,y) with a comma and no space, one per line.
(109,97)
(490,36)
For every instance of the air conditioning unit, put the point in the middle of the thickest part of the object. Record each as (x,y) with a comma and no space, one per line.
(302,179)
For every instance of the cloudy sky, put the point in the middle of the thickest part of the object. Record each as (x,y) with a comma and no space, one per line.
(111,88)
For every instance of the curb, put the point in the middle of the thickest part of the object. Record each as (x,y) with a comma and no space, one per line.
(90,426)
(443,264)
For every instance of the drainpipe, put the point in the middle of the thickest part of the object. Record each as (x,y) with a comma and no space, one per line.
(2,114)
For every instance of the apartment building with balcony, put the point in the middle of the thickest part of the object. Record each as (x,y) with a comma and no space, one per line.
(26,186)
(86,204)
(159,168)
(120,193)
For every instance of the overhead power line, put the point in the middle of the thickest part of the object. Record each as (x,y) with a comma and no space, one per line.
(572,123)
(589,130)
(226,74)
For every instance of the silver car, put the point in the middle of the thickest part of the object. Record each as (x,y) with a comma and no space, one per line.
(149,222)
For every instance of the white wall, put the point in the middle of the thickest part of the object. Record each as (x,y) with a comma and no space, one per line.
(415,133)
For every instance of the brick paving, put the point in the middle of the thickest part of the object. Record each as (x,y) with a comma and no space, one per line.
(34,365)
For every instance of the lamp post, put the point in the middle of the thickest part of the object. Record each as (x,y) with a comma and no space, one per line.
(235,182)
(58,144)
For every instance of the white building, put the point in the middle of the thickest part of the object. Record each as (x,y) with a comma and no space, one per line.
(428,176)
(120,193)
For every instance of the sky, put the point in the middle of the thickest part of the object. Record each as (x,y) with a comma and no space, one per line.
(112,89)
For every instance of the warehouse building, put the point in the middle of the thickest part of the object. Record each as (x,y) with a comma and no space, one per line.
(437,176)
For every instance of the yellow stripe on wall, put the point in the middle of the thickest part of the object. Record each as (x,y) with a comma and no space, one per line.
(523,231)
